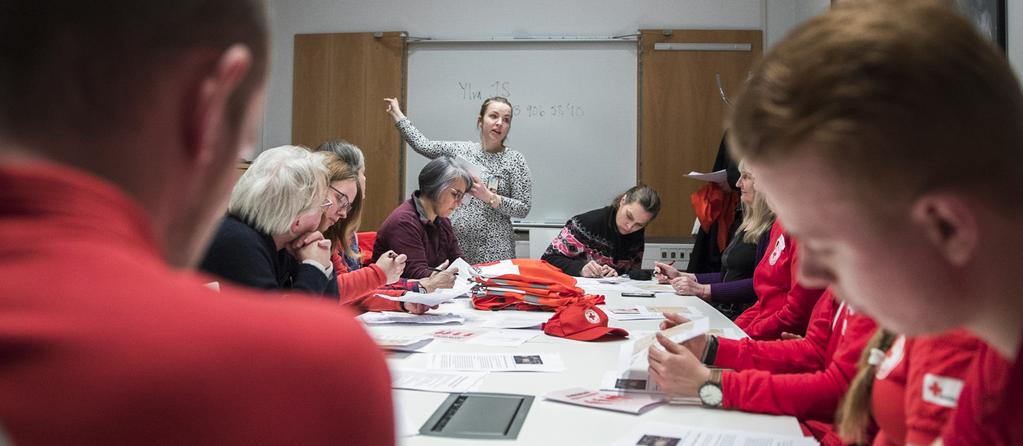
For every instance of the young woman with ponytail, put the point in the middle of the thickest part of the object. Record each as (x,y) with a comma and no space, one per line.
(906,388)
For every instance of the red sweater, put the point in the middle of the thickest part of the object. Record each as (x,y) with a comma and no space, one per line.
(987,405)
(918,384)
(102,343)
(782,304)
(805,378)
(359,288)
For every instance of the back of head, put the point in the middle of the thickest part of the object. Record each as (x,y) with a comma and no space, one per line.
(84,69)
(348,152)
(642,194)
(282,183)
(438,174)
(899,97)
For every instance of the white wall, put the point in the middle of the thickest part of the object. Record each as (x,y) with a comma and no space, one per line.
(1015,35)
(482,19)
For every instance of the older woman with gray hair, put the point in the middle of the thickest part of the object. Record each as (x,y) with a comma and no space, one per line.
(420,227)
(269,238)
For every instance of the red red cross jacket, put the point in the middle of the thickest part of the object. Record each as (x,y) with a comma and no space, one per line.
(805,378)
(782,304)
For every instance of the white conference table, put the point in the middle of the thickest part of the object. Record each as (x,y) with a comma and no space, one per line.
(554,423)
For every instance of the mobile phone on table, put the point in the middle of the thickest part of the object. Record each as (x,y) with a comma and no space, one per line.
(637,294)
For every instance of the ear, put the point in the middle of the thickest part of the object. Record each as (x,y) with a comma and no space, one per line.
(208,113)
(949,225)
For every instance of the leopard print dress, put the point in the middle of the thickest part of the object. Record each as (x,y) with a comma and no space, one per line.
(485,234)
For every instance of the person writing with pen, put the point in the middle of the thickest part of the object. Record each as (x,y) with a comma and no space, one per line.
(608,241)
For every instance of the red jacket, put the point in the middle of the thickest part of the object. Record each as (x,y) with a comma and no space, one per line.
(805,378)
(987,404)
(359,288)
(917,386)
(782,304)
(102,343)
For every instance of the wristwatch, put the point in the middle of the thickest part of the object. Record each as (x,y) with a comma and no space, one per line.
(710,392)
(493,200)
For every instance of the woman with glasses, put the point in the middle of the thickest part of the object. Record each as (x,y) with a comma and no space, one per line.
(358,287)
(269,238)
(419,227)
(503,191)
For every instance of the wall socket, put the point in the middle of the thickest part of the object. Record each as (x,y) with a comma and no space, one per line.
(669,254)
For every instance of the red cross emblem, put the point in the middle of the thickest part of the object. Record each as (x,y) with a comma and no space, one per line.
(935,389)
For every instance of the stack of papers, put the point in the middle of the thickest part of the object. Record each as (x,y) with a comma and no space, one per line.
(437,297)
(401,343)
(392,317)
(649,434)
(634,403)
(499,269)
(496,362)
(431,381)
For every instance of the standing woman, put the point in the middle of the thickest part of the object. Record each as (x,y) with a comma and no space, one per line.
(483,226)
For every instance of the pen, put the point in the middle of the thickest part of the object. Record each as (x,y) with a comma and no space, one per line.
(442,270)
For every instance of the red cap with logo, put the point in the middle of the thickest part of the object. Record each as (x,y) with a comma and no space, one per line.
(582,321)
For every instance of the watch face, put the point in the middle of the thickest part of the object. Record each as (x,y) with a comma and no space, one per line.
(711,394)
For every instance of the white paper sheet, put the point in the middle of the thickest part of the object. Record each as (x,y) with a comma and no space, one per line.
(437,297)
(631,313)
(516,319)
(504,338)
(499,269)
(495,362)
(400,342)
(665,434)
(391,317)
(634,403)
(435,381)
(718,176)
(633,354)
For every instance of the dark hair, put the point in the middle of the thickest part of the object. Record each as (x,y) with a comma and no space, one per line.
(88,67)
(642,194)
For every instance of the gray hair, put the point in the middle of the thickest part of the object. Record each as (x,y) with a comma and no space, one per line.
(349,153)
(281,184)
(438,174)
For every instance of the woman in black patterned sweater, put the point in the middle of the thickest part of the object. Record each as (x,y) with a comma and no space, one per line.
(608,241)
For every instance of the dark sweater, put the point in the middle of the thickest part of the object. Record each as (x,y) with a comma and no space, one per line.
(426,243)
(594,236)
(241,254)
(731,290)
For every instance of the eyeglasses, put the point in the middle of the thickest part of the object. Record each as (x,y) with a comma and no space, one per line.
(343,202)
(457,194)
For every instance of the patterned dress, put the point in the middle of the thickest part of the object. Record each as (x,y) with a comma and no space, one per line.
(485,234)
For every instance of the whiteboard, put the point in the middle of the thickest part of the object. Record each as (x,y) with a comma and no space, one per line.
(574,106)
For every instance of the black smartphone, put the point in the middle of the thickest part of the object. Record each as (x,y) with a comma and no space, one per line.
(638,294)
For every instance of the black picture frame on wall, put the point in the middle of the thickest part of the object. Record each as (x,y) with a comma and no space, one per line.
(988,16)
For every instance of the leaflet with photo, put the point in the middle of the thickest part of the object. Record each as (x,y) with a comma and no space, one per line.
(633,354)
(495,362)
(619,402)
(672,434)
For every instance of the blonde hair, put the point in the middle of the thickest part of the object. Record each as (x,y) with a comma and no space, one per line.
(854,412)
(339,233)
(757,218)
(281,184)
(901,97)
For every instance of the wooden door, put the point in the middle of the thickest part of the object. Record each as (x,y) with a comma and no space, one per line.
(682,114)
(340,81)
